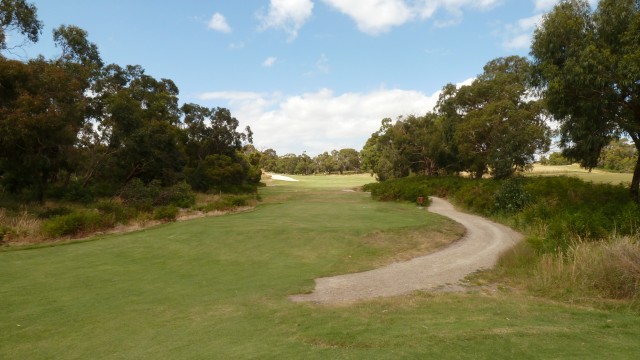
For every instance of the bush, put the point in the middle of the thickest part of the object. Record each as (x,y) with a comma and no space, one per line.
(511,197)
(73,224)
(180,195)
(166,213)
(227,203)
(46,213)
(144,197)
(557,211)
(116,211)
(140,196)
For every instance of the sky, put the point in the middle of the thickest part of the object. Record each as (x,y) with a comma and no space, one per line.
(305,75)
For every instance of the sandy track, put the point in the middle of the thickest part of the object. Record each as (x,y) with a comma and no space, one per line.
(480,248)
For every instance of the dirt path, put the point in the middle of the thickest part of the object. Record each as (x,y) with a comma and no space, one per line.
(483,242)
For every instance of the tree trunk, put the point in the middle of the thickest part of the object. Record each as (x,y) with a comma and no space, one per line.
(635,182)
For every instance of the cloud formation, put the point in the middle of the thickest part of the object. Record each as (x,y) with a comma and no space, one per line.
(378,16)
(287,15)
(320,121)
(219,23)
(270,61)
(518,35)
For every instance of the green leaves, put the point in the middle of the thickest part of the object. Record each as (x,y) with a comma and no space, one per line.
(588,66)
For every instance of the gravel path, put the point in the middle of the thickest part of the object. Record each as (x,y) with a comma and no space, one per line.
(480,248)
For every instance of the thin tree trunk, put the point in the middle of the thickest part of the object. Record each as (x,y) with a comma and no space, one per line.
(635,182)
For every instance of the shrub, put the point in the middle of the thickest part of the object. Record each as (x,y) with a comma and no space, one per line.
(73,224)
(166,213)
(140,196)
(180,195)
(46,213)
(511,197)
(115,210)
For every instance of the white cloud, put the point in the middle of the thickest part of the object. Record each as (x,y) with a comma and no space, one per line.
(287,15)
(378,16)
(546,5)
(518,35)
(270,61)
(219,23)
(320,121)
(374,16)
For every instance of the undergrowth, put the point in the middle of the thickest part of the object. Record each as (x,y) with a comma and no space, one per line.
(137,203)
(581,237)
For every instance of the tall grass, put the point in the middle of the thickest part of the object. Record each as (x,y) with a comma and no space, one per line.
(609,269)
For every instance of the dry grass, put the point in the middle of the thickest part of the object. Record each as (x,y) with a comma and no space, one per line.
(609,269)
(22,227)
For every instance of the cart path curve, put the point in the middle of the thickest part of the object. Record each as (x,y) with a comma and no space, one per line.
(478,249)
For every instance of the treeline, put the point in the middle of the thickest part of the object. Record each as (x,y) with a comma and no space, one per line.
(338,161)
(491,126)
(583,73)
(72,126)
(618,156)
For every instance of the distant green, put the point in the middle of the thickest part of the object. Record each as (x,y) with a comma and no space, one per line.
(216,288)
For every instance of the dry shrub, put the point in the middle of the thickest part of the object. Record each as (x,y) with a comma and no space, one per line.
(607,268)
(20,227)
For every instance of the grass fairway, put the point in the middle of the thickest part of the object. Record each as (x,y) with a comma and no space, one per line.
(216,288)
(596,175)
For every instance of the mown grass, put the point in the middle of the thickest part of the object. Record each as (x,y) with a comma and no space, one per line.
(218,287)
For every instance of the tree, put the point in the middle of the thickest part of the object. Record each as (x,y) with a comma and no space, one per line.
(496,126)
(215,155)
(137,117)
(348,160)
(587,66)
(619,155)
(18,16)
(42,108)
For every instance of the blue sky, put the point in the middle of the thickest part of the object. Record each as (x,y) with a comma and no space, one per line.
(306,75)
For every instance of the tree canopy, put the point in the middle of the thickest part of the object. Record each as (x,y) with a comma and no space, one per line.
(21,17)
(587,65)
(491,125)
(73,123)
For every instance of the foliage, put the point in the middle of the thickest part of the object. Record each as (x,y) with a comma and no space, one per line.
(555,159)
(343,161)
(490,125)
(618,156)
(39,123)
(165,213)
(496,126)
(19,16)
(143,196)
(555,211)
(73,224)
(587,68)
(511,196)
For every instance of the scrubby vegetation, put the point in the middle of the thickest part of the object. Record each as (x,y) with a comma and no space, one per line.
(582,237)
(137,204)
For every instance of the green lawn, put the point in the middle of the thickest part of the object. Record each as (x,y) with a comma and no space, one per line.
(216,288)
